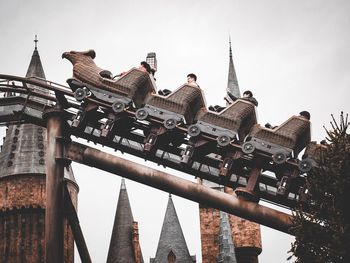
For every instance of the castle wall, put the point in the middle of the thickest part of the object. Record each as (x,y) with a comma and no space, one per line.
(22,220)
(246,235)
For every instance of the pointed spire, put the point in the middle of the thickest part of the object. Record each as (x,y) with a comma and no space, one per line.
(122,185)
(230,48)
(36,42)
(35,68)
(172,243)
(232,83)
(121,244)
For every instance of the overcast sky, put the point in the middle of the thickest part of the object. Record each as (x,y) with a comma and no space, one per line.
(293,55)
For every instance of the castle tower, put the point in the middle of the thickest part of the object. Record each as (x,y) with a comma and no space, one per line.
(172,245)
(124,245)
(245,234)
(22,190)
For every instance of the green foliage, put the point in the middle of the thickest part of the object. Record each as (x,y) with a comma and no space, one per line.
(323,232)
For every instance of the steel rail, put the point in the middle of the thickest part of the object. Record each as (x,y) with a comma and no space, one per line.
(58,87)
(265,180)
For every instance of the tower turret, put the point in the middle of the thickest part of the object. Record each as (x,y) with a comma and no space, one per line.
(22,189)
(124,245)
(172,245)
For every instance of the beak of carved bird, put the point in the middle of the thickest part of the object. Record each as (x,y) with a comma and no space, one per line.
(64,55)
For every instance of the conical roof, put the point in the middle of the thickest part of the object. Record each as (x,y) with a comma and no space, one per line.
(232,83)
(24,147)
(172,243)
(121,246)
(35,68)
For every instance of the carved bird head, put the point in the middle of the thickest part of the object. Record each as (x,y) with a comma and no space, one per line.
(79,56)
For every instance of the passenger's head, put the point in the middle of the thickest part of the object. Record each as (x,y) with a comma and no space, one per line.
(247,94)
(323,142)
(191,78)
(144,66)
(305,114)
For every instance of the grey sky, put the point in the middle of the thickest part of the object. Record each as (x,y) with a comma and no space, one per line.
(293,55)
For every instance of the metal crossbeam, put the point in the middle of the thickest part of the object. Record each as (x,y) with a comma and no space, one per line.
(250,210)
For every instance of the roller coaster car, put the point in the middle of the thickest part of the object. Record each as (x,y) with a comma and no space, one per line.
(312,156)
(290,137)
(168,112)
(178,107)
(232,123)
(90,80)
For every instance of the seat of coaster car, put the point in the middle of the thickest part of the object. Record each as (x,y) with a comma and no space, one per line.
(134,86)
(181,105)
(290,137)
(164,92)
(236,119)
(106,74)
(312,156)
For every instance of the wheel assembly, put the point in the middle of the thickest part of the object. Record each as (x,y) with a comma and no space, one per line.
(223,140)
(141,114)
(279,157)
(194,130)
(170,123)
(305,165)
(118,106)
(248,147)
(80,94)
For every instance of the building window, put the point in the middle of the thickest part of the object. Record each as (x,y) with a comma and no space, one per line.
(171,257)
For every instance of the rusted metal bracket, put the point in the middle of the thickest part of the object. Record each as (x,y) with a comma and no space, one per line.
(61,157)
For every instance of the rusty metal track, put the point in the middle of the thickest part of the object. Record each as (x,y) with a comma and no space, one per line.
(17,107)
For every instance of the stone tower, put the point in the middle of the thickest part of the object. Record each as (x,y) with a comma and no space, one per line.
(245,234)
(172,245)
(22,189)
(124,245)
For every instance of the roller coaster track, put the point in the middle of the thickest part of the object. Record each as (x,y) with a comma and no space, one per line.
(23,100)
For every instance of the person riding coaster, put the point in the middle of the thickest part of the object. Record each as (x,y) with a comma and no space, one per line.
(282,142)
(89,80)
